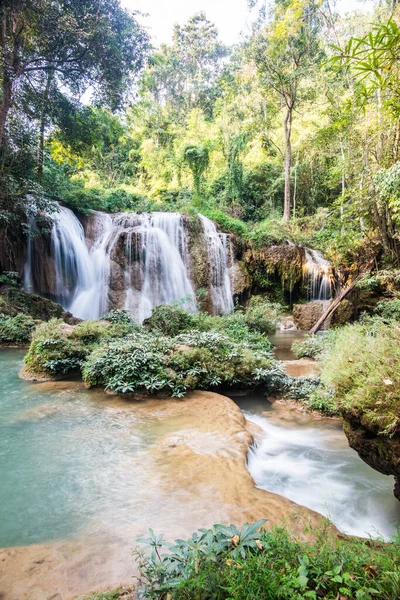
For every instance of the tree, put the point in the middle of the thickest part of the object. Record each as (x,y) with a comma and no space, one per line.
(72,45)
(284,53)
(198,159)
(183,75)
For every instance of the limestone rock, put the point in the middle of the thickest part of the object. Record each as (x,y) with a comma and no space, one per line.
(343,314)
(306,315)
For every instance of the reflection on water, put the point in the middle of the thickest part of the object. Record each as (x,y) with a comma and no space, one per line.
(309,461)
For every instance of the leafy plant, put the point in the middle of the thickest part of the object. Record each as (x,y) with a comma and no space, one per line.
(16,329)
(227,563)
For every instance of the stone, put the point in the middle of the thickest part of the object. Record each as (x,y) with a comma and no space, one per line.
(305,316)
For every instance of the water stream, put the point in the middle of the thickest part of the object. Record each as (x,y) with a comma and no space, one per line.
(308,460)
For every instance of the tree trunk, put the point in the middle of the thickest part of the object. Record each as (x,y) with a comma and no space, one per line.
(288,162)
(42,122)
(5,105)
(334,305)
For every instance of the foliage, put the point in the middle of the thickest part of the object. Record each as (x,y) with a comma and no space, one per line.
(149,363)
(15,329)
(248,327)
(262,315)
(170,320)
(389,310)
(313,346)
(362,370)
(227,563)
(58,348)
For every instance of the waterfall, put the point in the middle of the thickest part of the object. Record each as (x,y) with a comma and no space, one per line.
(220,285)
(317,277)
(127,260)
(156,261)
(27,274)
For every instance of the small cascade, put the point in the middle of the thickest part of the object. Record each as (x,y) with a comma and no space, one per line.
(220,285)
(90,300)
(28,267)
(317,277)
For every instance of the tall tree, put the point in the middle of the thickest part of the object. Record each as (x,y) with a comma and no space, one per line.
(71,45)
(183,75)
(284,52)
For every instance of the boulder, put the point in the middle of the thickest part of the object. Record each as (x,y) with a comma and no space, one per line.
(343,314)
(306,316)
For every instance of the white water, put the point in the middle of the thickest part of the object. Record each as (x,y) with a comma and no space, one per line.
(132,261)
(157,262)
(317,277)
(220,285)
(310,463)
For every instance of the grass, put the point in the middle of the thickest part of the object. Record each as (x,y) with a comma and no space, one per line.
(362,369)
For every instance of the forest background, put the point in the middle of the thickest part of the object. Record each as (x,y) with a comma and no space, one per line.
(291,134)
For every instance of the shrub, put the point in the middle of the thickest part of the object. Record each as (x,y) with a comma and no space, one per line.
(312,346)
(118,316)
(52,353)
(246,328)
(149,363)
(362,369)
(17,329)
(170,320)
(224,563)
(389,310)
(262,315)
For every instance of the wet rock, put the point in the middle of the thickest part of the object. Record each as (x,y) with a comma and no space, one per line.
(305,316)
(380,452)
(14,301)
(343,314)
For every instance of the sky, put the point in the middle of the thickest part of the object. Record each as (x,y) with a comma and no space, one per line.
(230,16)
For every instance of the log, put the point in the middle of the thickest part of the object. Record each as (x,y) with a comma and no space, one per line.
(332,307)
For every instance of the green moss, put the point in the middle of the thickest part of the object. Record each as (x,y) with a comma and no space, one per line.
(14,301)
(273,264)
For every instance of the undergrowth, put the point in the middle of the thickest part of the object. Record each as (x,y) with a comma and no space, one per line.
(225,563)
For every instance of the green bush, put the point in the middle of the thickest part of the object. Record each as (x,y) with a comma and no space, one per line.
(170,320)
(313,346)
(248,328)
(362,369)
(149,363)
(389,310)
(262,315)
(51,351)
(17,329)
(224,563)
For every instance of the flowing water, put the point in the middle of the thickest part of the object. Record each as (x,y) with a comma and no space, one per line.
(317,277)
(76,463)
(220,285)
(308,460)
(132,261)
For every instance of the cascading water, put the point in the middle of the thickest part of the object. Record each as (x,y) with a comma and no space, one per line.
(317,277)
(74,274)
(129,260)
(156,261)
(220,285)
